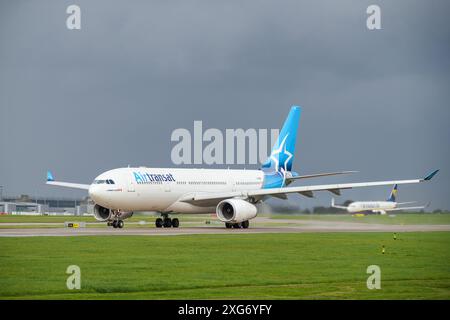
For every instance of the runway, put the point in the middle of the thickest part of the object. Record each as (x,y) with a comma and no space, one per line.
(262,225)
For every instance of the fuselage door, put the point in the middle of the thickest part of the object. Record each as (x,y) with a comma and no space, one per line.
(131,187)
(232,182)
(166,186)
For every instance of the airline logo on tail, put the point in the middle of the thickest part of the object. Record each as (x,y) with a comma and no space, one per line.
(393,195)
(285,158)
(279,164)
(50,176)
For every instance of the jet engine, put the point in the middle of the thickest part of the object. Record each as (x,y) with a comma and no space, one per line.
(105,214)
(102,213)
(235,211)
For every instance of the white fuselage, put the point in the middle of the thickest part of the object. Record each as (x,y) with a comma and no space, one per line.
(159,189)
(374,206)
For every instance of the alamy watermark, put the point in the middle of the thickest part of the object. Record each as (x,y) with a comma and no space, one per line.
(73,21)
(74,280)
(212,146)
(373,21)
(374,280)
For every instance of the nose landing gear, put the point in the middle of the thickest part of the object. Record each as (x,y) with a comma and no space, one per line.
(166,222)
(116,224)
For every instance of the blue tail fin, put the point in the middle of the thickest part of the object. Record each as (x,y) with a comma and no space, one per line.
(282,154)
(393,195)
(50,176)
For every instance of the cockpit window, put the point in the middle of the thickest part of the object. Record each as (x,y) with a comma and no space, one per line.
(109,181)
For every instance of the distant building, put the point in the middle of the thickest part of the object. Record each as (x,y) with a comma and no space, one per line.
(24,204)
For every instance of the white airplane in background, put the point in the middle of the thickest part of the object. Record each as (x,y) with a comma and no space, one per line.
(231,194)
(380,207)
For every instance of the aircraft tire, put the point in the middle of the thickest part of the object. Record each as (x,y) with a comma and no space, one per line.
(175,223)
(167,223)
(228,225)
(245,224)
(236,225)
(120,224)
(114,224)
(158,223)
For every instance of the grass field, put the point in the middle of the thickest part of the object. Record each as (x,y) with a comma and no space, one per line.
(244,266)
(402,218)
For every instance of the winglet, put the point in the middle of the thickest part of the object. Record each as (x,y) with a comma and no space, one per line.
(50,176)
(431,175)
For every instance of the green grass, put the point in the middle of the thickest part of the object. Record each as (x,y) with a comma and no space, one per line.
(244,266)
(402,218)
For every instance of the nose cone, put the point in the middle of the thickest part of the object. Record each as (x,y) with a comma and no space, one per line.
(96,193)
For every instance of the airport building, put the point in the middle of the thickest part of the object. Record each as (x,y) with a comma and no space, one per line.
(25,204)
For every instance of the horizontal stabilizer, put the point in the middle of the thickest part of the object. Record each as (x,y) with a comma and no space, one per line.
(317,175)
(333,205)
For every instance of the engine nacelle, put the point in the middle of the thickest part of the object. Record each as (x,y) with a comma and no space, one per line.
(105,214)
(235,210)
(102,213)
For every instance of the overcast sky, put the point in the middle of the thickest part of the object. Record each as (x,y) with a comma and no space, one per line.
(80,102)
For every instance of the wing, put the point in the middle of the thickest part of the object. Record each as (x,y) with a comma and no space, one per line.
(316,175)
(69,185)
(51,181)
(410,208)
(406,208)
(403,203)
(208,199)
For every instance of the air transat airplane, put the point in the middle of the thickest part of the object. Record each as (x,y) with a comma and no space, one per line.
(231,194)
(380,207)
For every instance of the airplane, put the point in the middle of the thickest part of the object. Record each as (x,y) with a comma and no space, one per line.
(231,194)
(380,207)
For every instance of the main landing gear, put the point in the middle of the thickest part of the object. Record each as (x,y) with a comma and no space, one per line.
(116,224)
(166,222)
(243,225)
